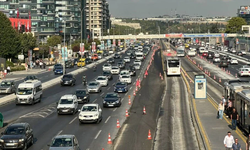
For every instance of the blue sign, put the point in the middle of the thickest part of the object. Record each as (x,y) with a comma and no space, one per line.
(109,43)
(64,53)
(205,35)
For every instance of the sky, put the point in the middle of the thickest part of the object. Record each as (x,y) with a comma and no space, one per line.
(153,8)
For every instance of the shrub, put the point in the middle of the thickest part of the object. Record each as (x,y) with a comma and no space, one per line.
(17,68)
(8,63)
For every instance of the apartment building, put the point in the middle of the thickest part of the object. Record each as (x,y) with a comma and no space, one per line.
(97,17)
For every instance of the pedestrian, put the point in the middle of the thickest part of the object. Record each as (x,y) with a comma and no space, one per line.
(8,70)
(230,108)
(228,141)
(234,118)
(248,143)
(236,145)
(34,65)
(26,66)
(41,64)
(220,110)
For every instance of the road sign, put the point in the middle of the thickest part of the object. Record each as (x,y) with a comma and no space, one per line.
(81,52)
(204,35)
(109,42)
(64,53)
(102,45)
(200,87)
(93,46)
(20,57)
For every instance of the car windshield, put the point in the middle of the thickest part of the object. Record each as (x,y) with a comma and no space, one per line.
(106,73)
(24,91)
(66,101)
(112,95)
(92,84)
(124,72)
(120,83)
(125,76)
(62,142)
(14,131)
(30,77)
(67,76)
(114,67)
(101,78)
(107,65)
(80,92)
(89,108)
(59,67)
(5,83)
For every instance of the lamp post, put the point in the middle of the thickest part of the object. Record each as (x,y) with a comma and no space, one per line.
(83,9)
(64,48)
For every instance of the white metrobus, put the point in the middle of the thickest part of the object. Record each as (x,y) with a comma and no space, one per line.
(173,65)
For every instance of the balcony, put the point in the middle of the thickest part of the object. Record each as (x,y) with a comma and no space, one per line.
(48,2)
(24,2)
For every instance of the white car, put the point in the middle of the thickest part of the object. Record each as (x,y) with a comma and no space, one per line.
(233,51)
(234,61)
(124,72)
(244,72)
(243,52)
(126,59)
(94,86)
(216,59)
(111,52)
(216,55)
(125,78)
(90,113)
(67,104)
(106,67)
(99,56)
(137,66)
(115,70)
(103,80)
(137,62)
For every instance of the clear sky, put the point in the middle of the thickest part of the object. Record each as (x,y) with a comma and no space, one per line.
(152,8)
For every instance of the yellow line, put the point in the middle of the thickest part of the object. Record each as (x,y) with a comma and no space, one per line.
(216,106)
(196,114)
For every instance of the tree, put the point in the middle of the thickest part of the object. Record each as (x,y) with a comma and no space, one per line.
(54,40)
(10,44)
(214,28)
(234,24)
(28,42)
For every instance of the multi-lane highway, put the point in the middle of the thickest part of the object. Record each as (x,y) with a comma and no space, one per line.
(46,123)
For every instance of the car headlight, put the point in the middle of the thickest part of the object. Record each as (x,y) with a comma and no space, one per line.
(85,97)
(80,115)
(1,140)
(96,115)
(104,102)
(61,80)
(70,80)
(117,101)
(21,140)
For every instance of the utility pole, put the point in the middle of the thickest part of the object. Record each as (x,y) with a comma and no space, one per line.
(64,48)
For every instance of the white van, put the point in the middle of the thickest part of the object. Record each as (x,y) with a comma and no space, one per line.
(139,56)
(29,92)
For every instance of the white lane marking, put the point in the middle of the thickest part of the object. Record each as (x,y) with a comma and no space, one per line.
(102,94)
(72,120)
(95,100)
(98,134)
(59,132)
(108,88)
(115,109)
(126,94)
(130,88)
(107,119)
(134,83)
(122,99)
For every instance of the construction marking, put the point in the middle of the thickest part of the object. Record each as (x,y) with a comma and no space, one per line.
(72,120)
(98,134)
(107,119)
(114,109)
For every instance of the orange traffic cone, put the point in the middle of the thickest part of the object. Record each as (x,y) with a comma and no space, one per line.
(129,101)
(136,89)
(149,135)
(109,139)
(209,74)
(127,113)
(144,110)
(117,124)
(220,80)
(214,77)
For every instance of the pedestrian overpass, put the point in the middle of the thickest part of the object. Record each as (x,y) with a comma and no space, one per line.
(171,35)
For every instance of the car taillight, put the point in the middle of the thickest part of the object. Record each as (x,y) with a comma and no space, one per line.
(241,72)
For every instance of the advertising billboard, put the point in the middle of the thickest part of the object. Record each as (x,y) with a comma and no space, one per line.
(244,10)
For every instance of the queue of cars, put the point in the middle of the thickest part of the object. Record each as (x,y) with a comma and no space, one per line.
(20,135)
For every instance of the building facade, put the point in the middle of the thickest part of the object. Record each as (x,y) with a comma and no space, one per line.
(48,17)
(97,17)
(244,12)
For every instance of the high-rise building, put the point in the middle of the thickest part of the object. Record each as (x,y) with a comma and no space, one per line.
(244,12)
(48,17)
(97,17)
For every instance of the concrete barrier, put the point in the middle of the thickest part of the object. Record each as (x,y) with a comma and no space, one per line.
(50,83)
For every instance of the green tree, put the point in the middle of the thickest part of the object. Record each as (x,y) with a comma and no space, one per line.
(214,28)
(28,42)
(234,25)
(54,40)
(10,44)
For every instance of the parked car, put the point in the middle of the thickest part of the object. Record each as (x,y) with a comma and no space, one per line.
(8,86)
(90,113)
(64,142)
(17,136)
(112,100)
(68,79)
(82,95)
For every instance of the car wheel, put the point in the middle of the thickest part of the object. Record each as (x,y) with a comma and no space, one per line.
(80,122)
(40,98)
(25,146)
(33,101)
(32,140)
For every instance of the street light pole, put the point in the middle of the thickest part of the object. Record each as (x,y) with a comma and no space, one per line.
(64,49)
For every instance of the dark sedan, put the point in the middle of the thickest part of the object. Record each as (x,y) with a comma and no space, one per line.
(68,79)
(132,56)
(31,77)
(121,65)
(88,61)
(108,74)
(132,70)
(58,70)
(112,100)
(111,60)
(210,55)
(121,87)
(239,53)
(56,66)
(117,56)
(17,136)
(82,96)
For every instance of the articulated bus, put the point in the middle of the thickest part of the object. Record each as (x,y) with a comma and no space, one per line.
(173,66)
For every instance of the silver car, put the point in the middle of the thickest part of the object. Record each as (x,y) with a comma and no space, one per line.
(7,86)
(94,86)
(64,142)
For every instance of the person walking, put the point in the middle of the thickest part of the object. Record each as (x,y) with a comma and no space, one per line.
(221,109)
(8,70)
(234,118)
(228,141)
(236,145)
(41,64)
